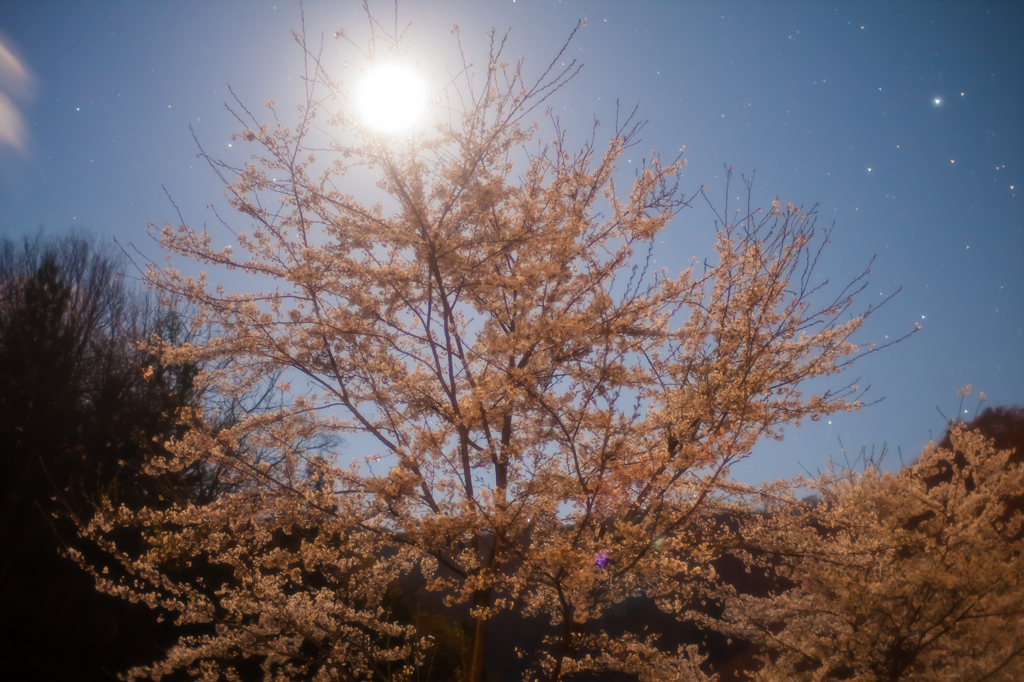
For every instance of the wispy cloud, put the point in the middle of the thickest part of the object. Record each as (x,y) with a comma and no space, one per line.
(16,85)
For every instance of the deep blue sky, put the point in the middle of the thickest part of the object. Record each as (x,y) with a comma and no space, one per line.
(831,103)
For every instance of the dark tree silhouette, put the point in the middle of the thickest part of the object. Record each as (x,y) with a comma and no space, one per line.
(1004,425)
(81,410)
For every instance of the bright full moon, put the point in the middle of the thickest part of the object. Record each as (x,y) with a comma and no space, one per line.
(391,98)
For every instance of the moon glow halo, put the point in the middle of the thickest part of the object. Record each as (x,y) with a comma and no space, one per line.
(391,98)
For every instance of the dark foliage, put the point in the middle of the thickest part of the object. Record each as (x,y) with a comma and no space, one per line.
(81,409)
(1005,426)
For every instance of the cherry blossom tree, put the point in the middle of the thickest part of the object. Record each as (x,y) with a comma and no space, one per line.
(552,415)
(893,576)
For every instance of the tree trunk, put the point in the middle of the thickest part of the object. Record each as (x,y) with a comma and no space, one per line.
(481,599)
(475,670)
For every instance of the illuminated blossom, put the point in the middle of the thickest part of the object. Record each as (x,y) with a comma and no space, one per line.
(538,398)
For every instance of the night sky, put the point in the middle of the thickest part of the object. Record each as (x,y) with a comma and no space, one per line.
(902,121)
